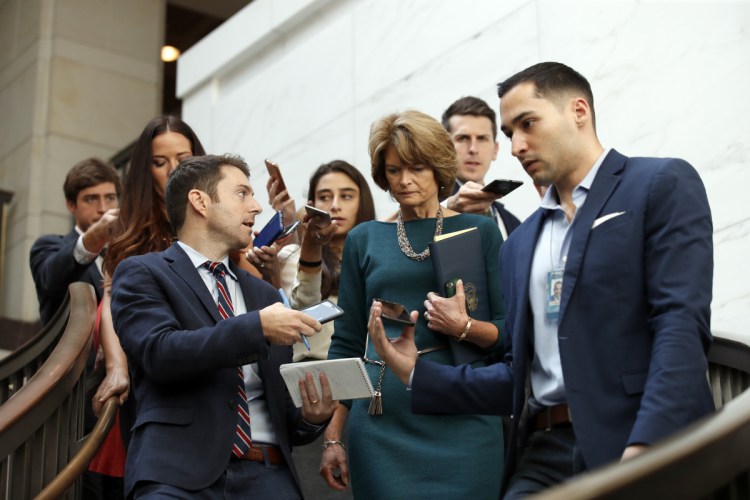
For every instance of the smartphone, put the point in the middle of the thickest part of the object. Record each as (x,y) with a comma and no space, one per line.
(450,288)
(324,311)
(393,311)
(275,173)
(501,186)
(271,231)
(323,218)
(288,230)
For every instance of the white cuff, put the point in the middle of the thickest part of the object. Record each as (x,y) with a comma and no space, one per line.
(81,255)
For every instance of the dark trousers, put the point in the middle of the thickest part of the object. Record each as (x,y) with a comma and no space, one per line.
(548,458)
(243,479)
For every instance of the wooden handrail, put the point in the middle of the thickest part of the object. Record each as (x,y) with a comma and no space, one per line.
(676,468)
(41,424)
(62,369)
(18,366)
(80,462)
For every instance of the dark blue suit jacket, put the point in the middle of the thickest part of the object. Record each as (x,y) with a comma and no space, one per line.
(634,321)
(54,268)
(183,363)
(510,221)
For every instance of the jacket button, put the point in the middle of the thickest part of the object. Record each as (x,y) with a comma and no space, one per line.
(232,404)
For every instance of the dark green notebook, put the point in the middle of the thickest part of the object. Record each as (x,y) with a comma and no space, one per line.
(459,255)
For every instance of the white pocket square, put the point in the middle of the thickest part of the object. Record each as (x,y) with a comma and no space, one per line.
(604,218)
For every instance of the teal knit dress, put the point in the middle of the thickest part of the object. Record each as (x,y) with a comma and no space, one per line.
(399,454)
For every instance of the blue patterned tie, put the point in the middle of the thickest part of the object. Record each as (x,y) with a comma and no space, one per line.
(226,310)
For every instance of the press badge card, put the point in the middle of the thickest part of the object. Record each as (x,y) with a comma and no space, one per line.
(554,293)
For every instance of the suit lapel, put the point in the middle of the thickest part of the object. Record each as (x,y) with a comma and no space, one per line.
(601,189)
(183,267)
(523,257)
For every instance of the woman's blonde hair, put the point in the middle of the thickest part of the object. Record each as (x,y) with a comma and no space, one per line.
(418,139)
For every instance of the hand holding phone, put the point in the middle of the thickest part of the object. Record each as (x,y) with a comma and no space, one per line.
(320,218)
(324,311)
(275,173)
(393,311)
(270,232)
(501,187)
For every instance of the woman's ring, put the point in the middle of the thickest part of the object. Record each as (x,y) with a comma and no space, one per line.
(314,402)
(318,237)
(261,265)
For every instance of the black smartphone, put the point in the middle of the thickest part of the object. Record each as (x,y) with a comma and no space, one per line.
(270,231)
(393,311)
(324,311)
(275,173)
(501,187)
(322,218)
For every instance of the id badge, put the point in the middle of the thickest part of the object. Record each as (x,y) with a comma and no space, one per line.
(554,294)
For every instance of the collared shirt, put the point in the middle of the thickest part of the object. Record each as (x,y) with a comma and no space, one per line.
(551,252)
(83,256)
(261,429)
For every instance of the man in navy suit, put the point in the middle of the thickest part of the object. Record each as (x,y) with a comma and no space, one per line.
(472,126)
(187,319)
(92,188)
(620,362)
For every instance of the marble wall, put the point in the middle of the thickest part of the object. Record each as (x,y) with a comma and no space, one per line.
(78,78)
(300,81)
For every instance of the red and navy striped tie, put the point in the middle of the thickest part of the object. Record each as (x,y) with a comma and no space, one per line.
(226,310)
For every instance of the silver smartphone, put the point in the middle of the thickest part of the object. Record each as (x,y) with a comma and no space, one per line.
(319,217)
(324,311)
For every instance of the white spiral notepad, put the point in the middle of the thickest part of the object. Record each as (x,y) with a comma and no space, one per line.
(347,377)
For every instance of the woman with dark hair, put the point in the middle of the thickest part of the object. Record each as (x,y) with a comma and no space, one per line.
(338,188)
(341,190)
(142,227)
(393,453)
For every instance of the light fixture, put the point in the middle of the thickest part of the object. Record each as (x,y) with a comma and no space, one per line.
(169,53)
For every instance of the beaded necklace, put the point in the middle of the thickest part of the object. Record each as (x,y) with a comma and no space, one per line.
(403,241)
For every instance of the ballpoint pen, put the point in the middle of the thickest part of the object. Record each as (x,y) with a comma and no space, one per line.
(288,306)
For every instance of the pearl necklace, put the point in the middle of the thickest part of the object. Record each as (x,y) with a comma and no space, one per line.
(403,241)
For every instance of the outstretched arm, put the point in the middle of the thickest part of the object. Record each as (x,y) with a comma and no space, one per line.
(116,380)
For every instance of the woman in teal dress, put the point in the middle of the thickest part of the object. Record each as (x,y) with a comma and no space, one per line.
(397,454)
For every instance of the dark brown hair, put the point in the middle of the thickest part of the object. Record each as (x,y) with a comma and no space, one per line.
(471,106)
(142,225)
(197,172)
(366,211)
(552,81)
(88,173)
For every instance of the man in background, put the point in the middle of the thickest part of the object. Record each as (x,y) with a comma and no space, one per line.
(472,126)
(91,188)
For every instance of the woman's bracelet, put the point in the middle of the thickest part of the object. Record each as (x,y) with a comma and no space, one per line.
(331,442)
(308,263)
(466,331)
